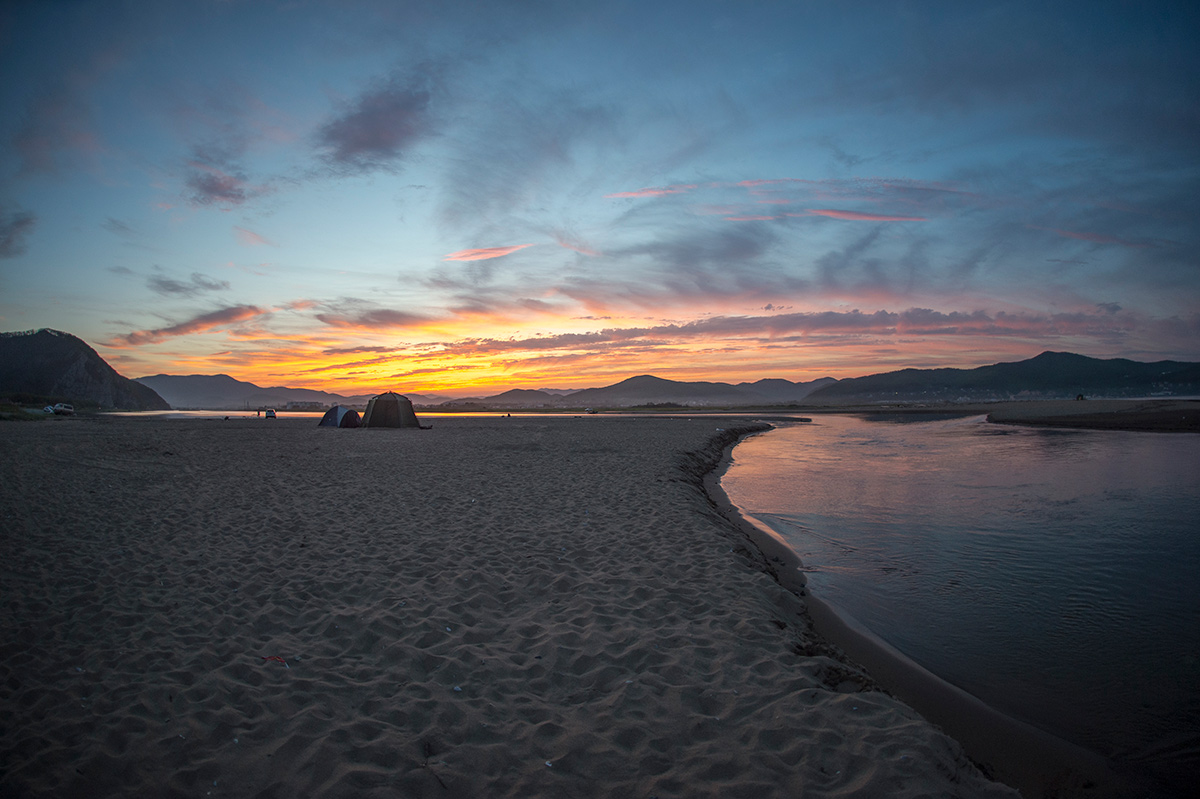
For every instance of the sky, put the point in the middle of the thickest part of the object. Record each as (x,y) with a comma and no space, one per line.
(456,197)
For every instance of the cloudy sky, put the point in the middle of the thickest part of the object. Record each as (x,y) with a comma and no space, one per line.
(438,197)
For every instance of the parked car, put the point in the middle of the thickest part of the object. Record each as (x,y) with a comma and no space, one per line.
(63,409)
(270,414)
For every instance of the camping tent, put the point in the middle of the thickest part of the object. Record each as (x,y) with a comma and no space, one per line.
(390,410)
(339,416)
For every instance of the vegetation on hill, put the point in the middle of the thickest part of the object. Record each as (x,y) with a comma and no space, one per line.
(48,366)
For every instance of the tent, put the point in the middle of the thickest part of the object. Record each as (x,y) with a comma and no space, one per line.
(390,410)
(339,416)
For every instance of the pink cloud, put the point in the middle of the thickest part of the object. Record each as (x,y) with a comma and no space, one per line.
(771,181)
(654,191)
(200,324)
(569,242)
(251,239)
(856,216)
(484,253)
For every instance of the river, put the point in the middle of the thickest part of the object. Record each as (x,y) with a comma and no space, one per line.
(1054,574)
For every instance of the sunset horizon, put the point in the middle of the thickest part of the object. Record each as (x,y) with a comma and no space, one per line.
(457,199)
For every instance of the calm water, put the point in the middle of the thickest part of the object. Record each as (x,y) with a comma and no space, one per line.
(1053,573)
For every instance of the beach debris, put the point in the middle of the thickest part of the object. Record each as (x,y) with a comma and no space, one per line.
(549,764)
(458,688)
(277,658)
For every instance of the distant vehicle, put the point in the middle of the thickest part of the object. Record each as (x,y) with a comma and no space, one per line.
(63,409)
(270,414)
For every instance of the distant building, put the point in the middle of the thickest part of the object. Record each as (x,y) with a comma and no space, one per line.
(307,406)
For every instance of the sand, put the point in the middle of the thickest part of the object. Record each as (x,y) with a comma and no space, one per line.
(1167,415)
(500,607)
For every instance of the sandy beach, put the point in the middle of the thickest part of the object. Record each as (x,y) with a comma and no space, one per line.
(494,607)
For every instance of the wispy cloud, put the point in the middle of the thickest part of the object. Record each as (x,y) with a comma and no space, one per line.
(1098,238)
(249,238)
(198,284)
(484,253)
(117,227)
(204,323)
(373,319)
(858,216)
(354,350)
(58,125)
(764,329)
(15,227)
(523,148)
(654,191)
(228,127)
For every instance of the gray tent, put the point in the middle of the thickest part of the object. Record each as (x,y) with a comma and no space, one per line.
(390,410)
(339,416)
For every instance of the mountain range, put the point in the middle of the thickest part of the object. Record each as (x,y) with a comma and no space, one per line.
(52,366)
(222,392)
(1051,375)
(648,390)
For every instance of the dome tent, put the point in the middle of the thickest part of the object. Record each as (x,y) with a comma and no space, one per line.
(390,410)
(339,416)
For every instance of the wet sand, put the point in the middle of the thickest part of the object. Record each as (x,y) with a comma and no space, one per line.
(494,607)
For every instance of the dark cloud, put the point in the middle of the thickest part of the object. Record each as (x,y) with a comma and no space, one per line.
(354,350)
(198,284)
(377,129)
(796,326)
(372,319)
(221,184)
(199,324)
(15,227)
(223,126)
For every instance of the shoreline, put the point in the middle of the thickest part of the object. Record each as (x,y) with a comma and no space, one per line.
(1162,416)
(1037,763)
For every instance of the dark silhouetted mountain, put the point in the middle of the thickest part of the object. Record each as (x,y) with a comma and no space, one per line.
(222,392)
(46,366)
(785,391)
(648,390)
(525,398)
(1048,376)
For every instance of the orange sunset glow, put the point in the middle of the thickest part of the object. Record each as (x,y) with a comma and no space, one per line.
(789,194)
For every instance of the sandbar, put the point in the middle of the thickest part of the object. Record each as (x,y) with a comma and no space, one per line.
(503,607)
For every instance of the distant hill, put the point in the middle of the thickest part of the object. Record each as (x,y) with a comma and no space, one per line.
(47,366)
(785,391)
(222,392)
(1050,375)
(647,390)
